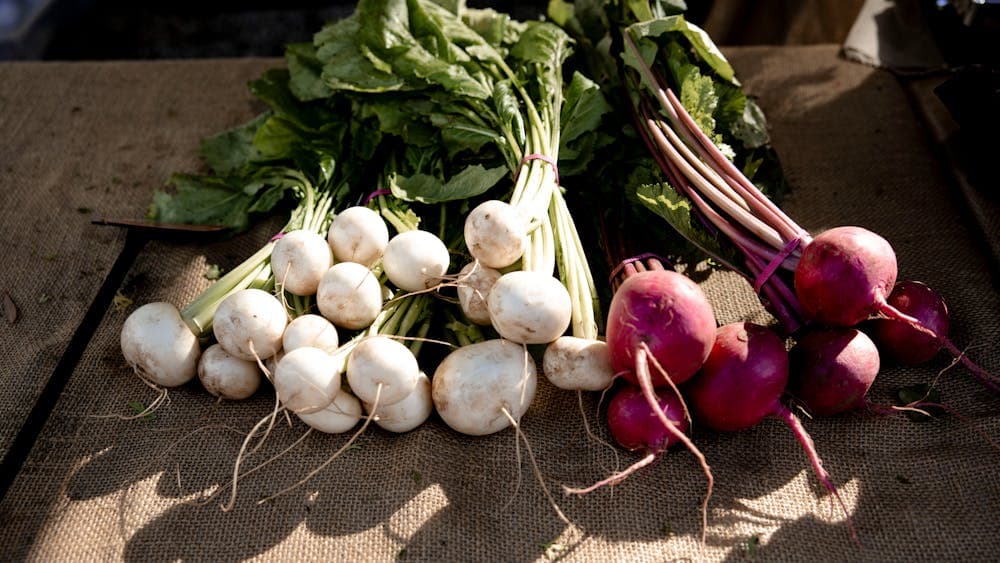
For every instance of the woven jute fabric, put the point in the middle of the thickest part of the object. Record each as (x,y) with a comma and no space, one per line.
(77,143)
(96,487)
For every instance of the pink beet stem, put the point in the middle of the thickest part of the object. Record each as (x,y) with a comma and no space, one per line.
(615,478)
(793,422)
(646,384)
(986,378)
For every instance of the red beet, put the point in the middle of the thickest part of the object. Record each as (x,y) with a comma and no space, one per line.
(832,370)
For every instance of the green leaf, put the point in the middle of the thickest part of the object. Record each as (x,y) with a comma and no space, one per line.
(232,150)
(543,43)
(203,200)
(751,128)
(348,64)
(305,72)
(276,138)
(662,28)
(583,108)
(663,200)
(470,182)
(138,408)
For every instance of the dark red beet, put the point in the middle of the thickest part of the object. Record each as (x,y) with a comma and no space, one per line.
(723,395)
(844,276)
(636,427)
(901,342)
(832,370)
(670,314)
(910,337)
(742,382)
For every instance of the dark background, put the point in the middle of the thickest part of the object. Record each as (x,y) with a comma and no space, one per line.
(118,29)
(137,29)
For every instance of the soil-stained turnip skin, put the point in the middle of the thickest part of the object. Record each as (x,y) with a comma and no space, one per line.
(474,384)
(742,379)
(226,376)
(475,282)
(496,234)
(843,275)
(669,313)
(832,370)
(249,324)
(158,344)
(578,364)
(529,307)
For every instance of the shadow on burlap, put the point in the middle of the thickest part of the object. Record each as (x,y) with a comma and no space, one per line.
(105,488)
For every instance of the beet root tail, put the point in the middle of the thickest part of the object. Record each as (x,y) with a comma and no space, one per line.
(988,379)
(793,422)
(646,384)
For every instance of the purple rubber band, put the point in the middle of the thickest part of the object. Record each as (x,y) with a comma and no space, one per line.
(374,195)
(538,156)
(633,260)
(775,263)
(278,236)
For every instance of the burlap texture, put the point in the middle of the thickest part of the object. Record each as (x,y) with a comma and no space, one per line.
(101,488)
(80,142)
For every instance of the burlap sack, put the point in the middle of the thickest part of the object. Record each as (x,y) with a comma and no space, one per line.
(82,142)
(101,488)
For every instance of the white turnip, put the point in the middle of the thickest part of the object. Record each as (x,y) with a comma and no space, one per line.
(415,260)
(349,296)
(249,324)
(529,307)
(342,414)
(299,260)
(478,389)
(496,234)
(578,364)
(410,412)
(159,346)
(474,284)
(226,376)
(379,367)
(307,380)
(358,234)
(310,330)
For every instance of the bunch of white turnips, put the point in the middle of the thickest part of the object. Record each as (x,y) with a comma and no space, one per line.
(477,389)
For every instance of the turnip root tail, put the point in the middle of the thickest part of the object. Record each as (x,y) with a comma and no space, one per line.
(646,384)
(534,467)
(986,378)
(243,450)
(586,425)
(806,441)
(368,419)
